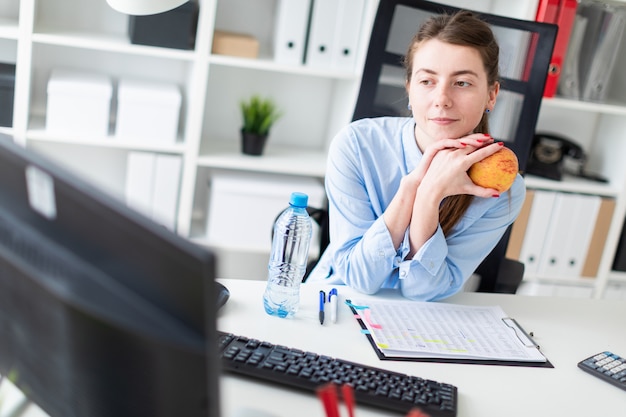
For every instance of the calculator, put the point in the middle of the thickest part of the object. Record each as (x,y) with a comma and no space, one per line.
(607,366)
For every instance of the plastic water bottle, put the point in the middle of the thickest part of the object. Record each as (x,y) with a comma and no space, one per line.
(288,258)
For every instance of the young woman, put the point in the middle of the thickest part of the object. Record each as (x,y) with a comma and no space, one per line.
(403,212)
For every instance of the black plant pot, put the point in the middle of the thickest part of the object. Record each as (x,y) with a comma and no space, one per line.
(252,144)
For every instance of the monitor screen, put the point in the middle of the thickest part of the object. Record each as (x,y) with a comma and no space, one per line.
(102,311)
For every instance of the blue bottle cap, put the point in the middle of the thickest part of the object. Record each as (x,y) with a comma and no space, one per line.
(299,200)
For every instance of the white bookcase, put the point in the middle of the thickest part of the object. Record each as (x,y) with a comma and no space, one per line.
(39,35)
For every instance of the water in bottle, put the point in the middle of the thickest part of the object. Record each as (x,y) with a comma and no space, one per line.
(288,258)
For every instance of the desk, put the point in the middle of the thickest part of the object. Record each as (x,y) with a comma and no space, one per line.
(568,330)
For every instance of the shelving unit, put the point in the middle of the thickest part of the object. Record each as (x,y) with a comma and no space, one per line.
(39,35)
(599,128)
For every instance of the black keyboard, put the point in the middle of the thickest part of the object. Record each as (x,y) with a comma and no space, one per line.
(391,391)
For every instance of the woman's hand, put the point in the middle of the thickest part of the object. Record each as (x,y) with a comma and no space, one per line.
(443,168)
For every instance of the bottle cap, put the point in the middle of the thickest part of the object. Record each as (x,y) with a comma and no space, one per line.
(299,200)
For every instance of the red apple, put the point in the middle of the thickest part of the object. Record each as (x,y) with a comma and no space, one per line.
(497,171)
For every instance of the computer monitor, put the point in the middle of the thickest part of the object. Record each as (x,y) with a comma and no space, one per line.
(102,312)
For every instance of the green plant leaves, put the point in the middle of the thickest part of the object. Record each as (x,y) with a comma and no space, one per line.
(259,114)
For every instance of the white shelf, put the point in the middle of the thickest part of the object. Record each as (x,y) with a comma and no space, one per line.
(618,109)
(267,64)
(571,184)
(38,133)
(618,276)
(9,29)
(275,159)
(108,42)
(578,281)
(108,142)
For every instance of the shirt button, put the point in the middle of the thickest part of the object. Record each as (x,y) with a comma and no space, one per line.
(403,274)
(381,253)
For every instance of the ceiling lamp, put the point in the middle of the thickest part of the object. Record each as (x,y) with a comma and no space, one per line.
(144,7)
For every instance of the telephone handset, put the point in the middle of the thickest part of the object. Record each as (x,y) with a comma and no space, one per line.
(549,148)
(548,158)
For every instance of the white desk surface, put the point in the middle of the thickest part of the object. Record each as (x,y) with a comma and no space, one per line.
(568,330)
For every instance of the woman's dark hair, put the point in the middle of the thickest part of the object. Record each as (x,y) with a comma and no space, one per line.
(463,28)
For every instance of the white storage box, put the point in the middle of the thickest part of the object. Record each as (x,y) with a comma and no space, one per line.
(243,207)
(147,111)
(79,103)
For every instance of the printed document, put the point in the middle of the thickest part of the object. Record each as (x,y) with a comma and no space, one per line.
(412,329)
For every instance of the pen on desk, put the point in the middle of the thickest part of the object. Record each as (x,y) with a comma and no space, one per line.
(322,301)
(332,300)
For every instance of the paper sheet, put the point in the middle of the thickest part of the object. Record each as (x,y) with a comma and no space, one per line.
(437,330)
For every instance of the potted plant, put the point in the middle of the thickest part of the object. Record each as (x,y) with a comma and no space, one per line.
(259,114)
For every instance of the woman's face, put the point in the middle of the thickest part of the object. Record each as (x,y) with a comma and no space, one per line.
(448,91)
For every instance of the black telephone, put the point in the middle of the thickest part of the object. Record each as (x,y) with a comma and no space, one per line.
(548,156)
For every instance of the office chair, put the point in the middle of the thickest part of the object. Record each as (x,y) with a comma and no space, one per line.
(525,53)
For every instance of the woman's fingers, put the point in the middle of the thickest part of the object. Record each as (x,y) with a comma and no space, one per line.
(483,152)
(477,146)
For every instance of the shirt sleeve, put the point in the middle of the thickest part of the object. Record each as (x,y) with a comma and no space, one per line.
(442,265)
(363,254)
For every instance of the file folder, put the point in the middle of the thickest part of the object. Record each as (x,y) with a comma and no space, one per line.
(598,239)
(518,230)
(569,238)
(548,11)
(538,222)
(322,33)
(138,187)
(581,231)
(594,14)
(292,24)
(561,227)
(604,39)
(348,29)
(561,13)
(167,172)
(570,81)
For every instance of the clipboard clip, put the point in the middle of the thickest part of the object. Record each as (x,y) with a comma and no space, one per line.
(521,334)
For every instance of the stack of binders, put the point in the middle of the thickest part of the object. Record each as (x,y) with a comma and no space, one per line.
(561,235)
(591,56)
(321,34)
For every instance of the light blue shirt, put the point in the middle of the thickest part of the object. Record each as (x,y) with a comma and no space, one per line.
(366,161)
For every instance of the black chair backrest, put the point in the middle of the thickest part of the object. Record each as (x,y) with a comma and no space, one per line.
(525,53)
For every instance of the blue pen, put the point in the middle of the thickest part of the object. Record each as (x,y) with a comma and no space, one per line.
(332,300)
(322,301)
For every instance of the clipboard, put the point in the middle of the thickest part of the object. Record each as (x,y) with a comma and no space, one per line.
(385,330)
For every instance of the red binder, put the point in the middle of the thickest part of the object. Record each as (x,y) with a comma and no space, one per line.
(563,14)
(547,11)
